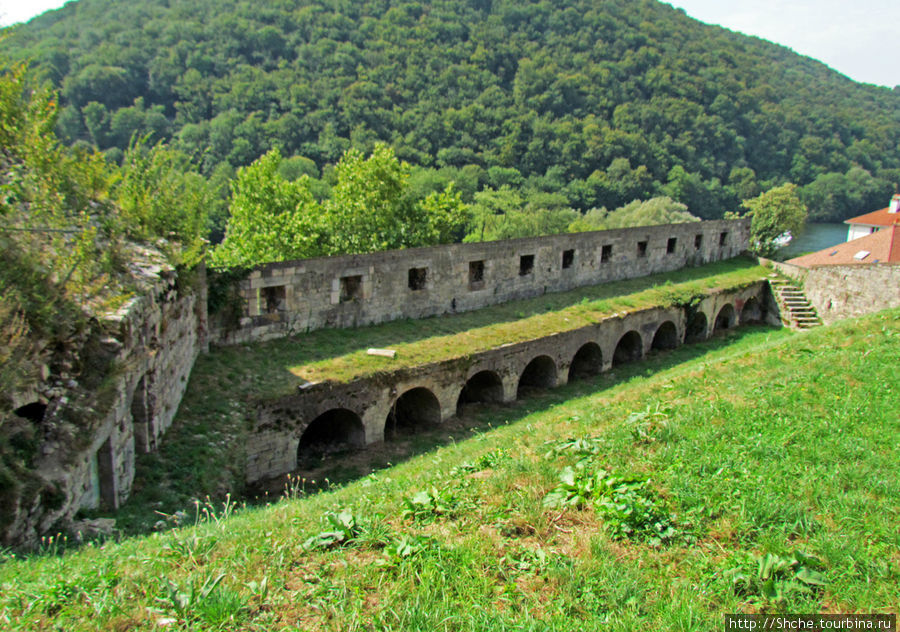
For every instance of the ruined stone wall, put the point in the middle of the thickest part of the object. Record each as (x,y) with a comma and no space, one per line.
(362,407)
(290,297)
(116,399)
(839,292)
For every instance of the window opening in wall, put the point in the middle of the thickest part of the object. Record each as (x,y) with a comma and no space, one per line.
(568,258)
(642,249)
(476,275)
(670,245)
(351,288)
(606,254)
(723,238)
(698,242)
(417,278)
(526,265)
(274,299)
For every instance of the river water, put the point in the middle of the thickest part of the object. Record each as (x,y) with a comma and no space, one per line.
(812,238)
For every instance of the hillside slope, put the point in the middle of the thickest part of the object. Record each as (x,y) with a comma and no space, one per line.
(757,476)
(603,102)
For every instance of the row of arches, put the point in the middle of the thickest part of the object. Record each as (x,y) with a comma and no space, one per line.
(342,429)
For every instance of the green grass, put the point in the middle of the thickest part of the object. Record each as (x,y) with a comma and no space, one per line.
(773,454)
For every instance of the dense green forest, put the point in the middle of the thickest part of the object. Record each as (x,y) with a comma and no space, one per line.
(571,104)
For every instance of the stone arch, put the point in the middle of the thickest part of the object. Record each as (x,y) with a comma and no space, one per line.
(629,348)
(666,337)
(332,431)
(540,373)
(587,361)
(752,311)
(697,324)
(725,318)
(414,409)
(483,387)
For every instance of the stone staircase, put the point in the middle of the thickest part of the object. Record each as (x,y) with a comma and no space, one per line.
(796,310)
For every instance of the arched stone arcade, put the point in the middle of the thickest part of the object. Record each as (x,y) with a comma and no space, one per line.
(370,410)
(539,374)
(697,327)
(333,431)
(485,387)
(415,409)
(630,348)
(666,337)
(725,319)
(587,362)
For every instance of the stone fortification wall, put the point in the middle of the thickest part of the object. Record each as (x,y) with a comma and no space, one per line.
(115,397)
(290,297)
(839,292)
(324,415)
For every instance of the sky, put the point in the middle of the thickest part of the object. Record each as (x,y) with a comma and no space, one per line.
(855,37)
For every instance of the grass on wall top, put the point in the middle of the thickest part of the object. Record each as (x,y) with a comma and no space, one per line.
(276,367)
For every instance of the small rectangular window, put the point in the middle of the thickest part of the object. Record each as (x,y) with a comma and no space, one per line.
(418,277)
(606,254)
(723,238)
(568,258)
(670,245)
(351,288)
(642,249)
(698,242)
(273,299)
(476,275)
(526,265)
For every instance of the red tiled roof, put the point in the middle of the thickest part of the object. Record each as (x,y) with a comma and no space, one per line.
(883,247)
(876,218)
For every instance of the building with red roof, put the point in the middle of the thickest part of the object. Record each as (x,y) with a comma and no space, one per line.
(874,221)
(882,246)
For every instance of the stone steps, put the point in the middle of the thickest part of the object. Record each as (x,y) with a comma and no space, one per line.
(796,310)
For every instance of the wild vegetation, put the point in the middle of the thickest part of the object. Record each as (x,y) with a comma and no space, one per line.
(737,475)
(573,104)
(71,227)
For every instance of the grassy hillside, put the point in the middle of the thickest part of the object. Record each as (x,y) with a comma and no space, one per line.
(757,476)
(596,103)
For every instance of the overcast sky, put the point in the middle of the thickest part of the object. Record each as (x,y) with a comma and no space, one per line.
(858,38)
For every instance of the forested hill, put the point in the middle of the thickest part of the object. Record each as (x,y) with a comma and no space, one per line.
(602,101)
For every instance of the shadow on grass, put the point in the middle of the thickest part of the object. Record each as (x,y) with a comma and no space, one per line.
(341,468)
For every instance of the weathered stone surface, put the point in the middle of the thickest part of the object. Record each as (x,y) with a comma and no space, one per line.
(348,291)
(839,292)
(135,365)
(282,423)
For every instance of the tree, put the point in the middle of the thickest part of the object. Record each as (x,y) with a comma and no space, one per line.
(653,212)
(772,214)
(160,194)
(272,219)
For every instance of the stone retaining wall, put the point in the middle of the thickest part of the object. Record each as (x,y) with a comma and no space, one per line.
(839,292)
